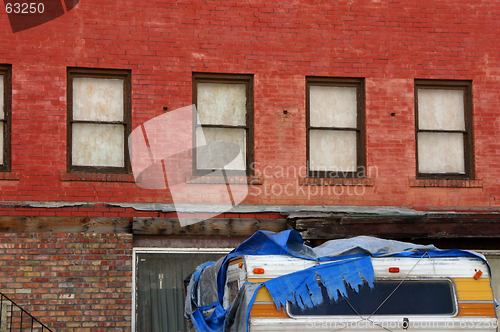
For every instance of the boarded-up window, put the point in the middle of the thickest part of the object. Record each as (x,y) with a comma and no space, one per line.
(5,107)
(444,138)
(224,104)
(99,116)
(335,121)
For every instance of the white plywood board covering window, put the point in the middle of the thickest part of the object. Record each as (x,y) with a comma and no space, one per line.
(97,99)
(98,145)
(229,135)
(441,153)
(441,109)
(1,98)
(332,150)
(221,104)
(332,106)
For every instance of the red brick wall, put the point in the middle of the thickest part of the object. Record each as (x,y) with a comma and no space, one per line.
(70,282)
(390,43)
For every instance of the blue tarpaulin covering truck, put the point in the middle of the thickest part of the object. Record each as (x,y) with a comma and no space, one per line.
(274,282)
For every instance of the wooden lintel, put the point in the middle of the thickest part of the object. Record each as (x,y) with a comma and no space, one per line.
(42,224)
(420,226)
(223,227)
(417,226)
(165,226)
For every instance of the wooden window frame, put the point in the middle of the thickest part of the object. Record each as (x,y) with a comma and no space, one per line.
(6,71)
(359,84)
(466,86)
(246,79)
(126,75)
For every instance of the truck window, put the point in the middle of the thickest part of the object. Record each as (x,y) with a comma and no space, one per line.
(232,288)
(432,297)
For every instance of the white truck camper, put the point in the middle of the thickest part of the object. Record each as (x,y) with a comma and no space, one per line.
(273,282)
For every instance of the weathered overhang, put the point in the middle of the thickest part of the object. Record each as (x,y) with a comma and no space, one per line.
(313,222)
(425,225)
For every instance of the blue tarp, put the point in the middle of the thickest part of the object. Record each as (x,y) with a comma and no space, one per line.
(302,287)
(350,266)
(266,243)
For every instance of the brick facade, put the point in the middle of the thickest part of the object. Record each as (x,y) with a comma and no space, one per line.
(70,282)
(388,43)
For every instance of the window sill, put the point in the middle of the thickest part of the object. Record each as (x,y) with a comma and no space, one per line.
(96,177)
(208,179)
(367,182)
(10,176)
(444,183)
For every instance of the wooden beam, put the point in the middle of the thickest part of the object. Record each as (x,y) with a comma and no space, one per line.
(442,225)
(39,224)
(165,226)
(424,226)
(224,227)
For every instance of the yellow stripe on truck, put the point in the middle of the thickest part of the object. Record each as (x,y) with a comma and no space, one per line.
(236,261)
(475,297)
(476,309)
(266,311)
(264,307)
(470,289)
(263,295)
(261,280)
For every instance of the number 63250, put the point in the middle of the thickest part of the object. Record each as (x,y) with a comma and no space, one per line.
(25,8)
